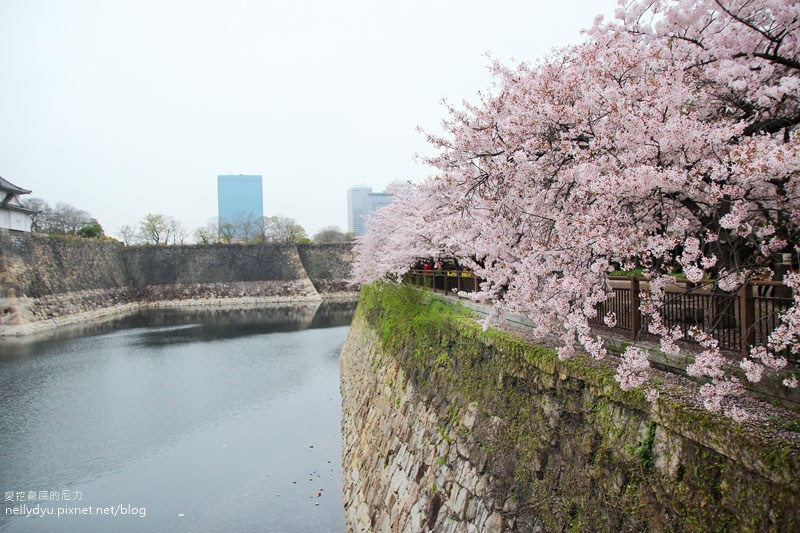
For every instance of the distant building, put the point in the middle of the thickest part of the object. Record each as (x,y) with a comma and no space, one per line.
(241,205)
(374,201)
(13,215)
(355,208)
(362,204)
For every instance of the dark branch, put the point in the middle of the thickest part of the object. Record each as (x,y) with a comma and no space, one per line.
(773,125)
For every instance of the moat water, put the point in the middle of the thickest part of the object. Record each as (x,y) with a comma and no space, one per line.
(175,421)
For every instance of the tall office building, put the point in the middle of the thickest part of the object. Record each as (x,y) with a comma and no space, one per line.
(361,204)
(241,205)
(355,208)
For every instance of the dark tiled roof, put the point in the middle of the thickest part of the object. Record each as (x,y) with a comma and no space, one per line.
(10,187)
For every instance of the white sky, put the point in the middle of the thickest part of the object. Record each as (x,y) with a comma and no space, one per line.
(129,107)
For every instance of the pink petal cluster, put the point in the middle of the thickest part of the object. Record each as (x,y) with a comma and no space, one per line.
(634,368)
(787,335)
(708,363)
(718,397)
(668,140)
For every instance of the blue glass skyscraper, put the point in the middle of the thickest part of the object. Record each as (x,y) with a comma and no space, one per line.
(241,205)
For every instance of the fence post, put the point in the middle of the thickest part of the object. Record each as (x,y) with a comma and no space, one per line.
(636,314)
(747,315)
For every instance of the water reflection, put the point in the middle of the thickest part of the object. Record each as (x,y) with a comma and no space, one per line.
(179,412)
(182,325)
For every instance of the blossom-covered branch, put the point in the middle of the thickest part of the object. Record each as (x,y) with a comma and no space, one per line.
(668,141)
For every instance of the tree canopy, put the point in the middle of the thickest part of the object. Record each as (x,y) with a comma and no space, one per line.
(156,228)
(283,229)
(666,141)
(330,234)
(92,230)
(63,218)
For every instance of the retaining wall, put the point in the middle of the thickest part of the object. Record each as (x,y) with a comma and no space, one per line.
(328,266)
(449,428)
(217,271)
(49,281)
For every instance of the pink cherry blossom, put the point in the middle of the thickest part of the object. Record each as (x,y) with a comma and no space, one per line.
(668,140)
(634,369)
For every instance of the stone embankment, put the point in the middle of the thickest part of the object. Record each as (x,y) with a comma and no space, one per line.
(450,428)
(48,282)
(329,266)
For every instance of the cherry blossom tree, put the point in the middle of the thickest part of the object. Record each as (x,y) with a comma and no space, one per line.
(397,236)
(667,141)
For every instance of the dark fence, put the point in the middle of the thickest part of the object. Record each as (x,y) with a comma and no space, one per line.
(737,320)
(448,281)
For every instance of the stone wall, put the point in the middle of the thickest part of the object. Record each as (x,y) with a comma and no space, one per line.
(44,278)
(48,281)
(37,265)
(400,472)
(328,266)
(449,428)
(216,263)
(217,271)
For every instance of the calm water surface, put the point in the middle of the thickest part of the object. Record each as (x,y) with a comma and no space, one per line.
(207,421)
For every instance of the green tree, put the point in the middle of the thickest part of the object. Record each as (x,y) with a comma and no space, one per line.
(93,230)
(154,228)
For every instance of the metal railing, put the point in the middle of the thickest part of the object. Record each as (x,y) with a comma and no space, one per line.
(447,281)
(737,320)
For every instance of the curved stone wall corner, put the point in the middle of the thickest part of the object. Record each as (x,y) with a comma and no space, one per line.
(46,279)
(329,267)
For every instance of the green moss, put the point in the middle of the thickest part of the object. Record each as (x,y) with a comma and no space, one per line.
(452,415)
(445,435)
(789,425)
(569,409)
(644,452)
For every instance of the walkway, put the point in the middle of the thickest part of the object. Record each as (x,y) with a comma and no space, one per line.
(615,344)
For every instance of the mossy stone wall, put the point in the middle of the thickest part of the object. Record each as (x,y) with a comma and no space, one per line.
(49,281)
(450,428)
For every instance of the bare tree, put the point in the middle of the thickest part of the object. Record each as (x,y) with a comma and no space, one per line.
(40,219)
(68,219)
(283,229)
(175,231)
(208,234)
(127,233)
(247,226)
(63,218)
(330,234)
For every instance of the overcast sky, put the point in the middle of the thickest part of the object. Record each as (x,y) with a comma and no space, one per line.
(129,107)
